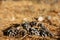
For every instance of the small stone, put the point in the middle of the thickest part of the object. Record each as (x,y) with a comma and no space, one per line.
(40,18)
(13,19)
(18,28)
(25,19)
(49,17)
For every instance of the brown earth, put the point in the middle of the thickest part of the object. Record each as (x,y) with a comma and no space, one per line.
(15,11)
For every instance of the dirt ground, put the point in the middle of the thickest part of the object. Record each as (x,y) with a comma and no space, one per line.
(15,11)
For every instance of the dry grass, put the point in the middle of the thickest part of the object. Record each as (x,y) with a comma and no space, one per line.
(15,11)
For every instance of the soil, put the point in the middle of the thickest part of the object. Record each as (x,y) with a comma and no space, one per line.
(17,11)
